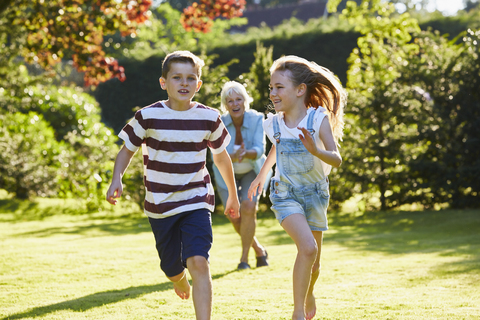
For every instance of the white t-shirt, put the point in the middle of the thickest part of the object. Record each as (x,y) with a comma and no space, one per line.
(322,169)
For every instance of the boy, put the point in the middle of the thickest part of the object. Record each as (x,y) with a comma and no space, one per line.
(179,197)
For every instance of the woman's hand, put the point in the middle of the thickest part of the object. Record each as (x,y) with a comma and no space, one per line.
(239,154)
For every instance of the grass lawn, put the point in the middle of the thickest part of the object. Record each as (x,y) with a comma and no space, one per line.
(395,265)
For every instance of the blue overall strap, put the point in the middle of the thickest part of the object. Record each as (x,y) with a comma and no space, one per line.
(276,129)
(310,121)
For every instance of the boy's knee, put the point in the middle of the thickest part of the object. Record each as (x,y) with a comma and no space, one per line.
(197,264)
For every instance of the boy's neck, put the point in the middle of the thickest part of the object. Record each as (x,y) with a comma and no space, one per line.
(179,106)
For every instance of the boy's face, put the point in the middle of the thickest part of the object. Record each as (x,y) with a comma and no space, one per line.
(182,81)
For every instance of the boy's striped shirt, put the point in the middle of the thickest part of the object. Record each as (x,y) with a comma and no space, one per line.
(174,146)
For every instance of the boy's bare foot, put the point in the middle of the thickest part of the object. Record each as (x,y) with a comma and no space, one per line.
(182,288)
(310,307)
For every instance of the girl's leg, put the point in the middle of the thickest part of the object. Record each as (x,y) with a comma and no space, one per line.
(310,306)
(201,286)
(297,228)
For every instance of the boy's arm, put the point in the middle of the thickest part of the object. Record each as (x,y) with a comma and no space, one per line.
(121,163)
(224,164)
(257,185)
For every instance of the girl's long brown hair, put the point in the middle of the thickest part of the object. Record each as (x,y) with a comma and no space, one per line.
(323,88)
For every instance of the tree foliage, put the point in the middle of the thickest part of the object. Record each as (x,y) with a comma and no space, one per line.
(48,31)
(448,168)
(411,128)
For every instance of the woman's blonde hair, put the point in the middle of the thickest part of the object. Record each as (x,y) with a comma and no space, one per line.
(323,88)
(234,87)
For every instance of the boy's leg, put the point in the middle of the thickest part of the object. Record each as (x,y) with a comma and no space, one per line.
(202,286)
(181,285)
(197,239)
(310,305)
(297,228)
(168,243)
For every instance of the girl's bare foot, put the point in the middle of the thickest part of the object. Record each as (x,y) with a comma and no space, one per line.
(310,307)
(182,287)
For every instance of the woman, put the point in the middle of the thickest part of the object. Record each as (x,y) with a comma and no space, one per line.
(246,148)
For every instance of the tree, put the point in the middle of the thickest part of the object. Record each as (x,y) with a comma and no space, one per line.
(448,168)
(257,79)
(45,32)
(383,110)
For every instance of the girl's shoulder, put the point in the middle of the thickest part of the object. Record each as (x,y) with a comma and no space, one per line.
(320,113)
(270,116)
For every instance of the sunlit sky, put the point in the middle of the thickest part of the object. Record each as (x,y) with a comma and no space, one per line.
(447,7)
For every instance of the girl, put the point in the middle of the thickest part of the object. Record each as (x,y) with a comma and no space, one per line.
(309,102)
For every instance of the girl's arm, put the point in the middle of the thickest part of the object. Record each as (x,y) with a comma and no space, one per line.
(257,185)
(330,155)
(224,164)
(121,163)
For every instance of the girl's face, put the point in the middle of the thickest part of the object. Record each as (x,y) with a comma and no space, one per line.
(235,104)
(283,93)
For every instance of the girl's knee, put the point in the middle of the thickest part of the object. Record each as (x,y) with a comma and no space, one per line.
(310,249)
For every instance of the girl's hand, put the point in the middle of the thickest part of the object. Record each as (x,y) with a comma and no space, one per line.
(256,187)
(307,140)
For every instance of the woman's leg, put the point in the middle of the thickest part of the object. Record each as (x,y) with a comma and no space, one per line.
(257,247)
(297,228)
(248,224)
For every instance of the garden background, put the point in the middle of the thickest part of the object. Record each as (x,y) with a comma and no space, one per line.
(72,74)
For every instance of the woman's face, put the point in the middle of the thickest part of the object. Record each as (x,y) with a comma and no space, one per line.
(235,104)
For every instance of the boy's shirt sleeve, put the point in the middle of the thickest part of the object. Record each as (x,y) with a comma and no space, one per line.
(133,134)
(219,138)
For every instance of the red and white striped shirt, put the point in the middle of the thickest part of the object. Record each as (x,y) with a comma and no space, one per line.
(174,146)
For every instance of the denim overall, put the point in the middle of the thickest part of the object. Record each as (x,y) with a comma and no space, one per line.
(299,190)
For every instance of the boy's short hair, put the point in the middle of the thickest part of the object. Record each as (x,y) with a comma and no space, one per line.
(182,56)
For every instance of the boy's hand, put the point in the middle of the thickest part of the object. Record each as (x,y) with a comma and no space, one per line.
(114,191)
(232,208)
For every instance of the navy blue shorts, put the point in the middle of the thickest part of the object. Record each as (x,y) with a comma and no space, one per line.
(180,237)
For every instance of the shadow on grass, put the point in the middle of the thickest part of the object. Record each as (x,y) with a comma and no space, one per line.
(92,301)
(100,299)
(451,233)
(404,231)
(94,228)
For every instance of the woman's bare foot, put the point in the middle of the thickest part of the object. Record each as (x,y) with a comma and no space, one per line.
(310,307)
(182,287)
